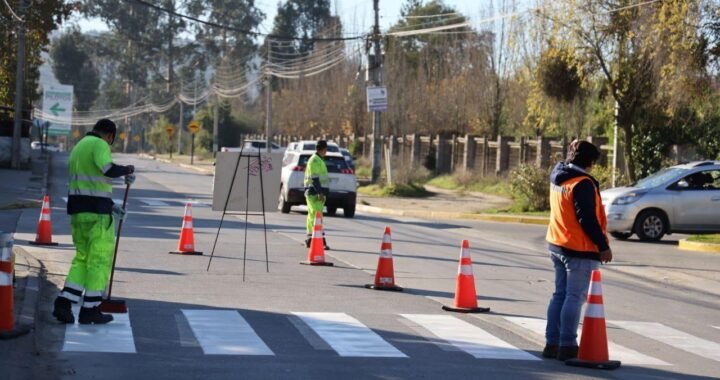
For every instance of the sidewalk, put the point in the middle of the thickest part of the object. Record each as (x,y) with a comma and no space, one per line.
(22,192)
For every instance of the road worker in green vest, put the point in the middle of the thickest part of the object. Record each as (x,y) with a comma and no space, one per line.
(91,209)
(317,188)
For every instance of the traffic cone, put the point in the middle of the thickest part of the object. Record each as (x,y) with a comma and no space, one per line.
(316,253)
(465,296)
(385,275)
(186,244)
(8,328)
(593,351)
(44,227)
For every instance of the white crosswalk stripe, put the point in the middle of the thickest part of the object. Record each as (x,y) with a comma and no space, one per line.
(225,332)
(348,336)
(616,351)
(116,336)
(469,338)
(154,202)
(672,337)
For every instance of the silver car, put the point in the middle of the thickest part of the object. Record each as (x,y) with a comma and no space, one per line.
(683,198)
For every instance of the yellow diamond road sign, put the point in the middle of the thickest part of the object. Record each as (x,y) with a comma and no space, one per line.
(194,127)
(136,138)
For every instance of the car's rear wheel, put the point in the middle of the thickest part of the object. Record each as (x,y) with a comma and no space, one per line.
(651,225)
(621,235)
(349,210)
(283,205)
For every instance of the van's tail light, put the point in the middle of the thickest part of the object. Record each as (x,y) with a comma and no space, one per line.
(347,171)
(299,169)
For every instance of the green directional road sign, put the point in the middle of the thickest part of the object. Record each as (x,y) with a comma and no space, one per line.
(57,108)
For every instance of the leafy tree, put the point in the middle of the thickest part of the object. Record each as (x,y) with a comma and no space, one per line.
(73,66)
(303,19)
(41,19)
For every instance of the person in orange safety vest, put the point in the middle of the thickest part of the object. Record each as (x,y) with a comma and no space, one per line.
(578,243)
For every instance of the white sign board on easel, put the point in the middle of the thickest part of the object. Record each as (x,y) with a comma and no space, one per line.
(247,192)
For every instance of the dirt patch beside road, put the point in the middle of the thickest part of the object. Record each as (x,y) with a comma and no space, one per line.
(441,200)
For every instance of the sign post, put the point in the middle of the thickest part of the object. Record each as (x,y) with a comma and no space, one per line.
(170,130)
(194,128)
(58,106)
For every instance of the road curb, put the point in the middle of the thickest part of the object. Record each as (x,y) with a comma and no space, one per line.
(536,220)
(687,245)
(180,164)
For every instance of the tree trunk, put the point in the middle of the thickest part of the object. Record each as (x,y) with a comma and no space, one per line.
(629,159)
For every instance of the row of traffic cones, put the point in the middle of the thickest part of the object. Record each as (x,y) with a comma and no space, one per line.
(593,350)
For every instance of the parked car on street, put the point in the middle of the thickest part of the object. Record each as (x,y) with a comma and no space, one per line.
(682,198)
(343,184)
(37,145)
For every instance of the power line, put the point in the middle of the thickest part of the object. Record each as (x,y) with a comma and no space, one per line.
(239,30)
(20,19)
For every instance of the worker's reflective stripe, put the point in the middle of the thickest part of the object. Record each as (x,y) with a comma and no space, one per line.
(92,299)
(92,193)
(5,279)
(106,167)
(91,178)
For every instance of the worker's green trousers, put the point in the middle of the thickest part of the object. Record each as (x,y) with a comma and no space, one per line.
(314,205)
(94,239)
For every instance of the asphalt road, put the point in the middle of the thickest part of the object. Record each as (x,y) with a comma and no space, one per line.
(286,320)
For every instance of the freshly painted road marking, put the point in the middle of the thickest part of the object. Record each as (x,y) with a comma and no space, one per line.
(616,351)
(116,336)
(225,332)
(154,202)
(195,203)
(716,327)
(468,337)
(348,336)
(673,337)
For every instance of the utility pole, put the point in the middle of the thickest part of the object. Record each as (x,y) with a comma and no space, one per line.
(268,98)
(215,125)
(19,84)
(377,79)
(615,146)
(180,119)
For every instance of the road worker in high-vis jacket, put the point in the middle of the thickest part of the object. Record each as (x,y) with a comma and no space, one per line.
(91,211)
(317,188)
(578,243)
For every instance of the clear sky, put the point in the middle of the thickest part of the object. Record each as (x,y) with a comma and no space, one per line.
(357,15)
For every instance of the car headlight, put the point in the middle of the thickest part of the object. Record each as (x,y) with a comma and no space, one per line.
(627,199)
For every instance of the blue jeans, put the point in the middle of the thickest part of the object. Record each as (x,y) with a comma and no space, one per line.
(572,281)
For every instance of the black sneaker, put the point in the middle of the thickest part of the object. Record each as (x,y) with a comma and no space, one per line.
(62,310)
(325,245)
(93,316)
(567,352)
(550,351)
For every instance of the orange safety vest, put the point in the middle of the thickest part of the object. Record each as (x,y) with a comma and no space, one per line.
(564,229)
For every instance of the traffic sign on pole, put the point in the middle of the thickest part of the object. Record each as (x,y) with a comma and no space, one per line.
(194,127)
(57,108)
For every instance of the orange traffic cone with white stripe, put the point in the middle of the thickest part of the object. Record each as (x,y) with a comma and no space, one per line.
(8,328)
(44,227)
(186,244)
(465,296)
(316,253)
(385,274)
(593,351)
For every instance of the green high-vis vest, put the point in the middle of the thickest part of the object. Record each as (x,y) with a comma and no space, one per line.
(89,161)
(316,168)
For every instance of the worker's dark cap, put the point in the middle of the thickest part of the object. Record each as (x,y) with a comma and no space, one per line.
(321,144)
(105,126)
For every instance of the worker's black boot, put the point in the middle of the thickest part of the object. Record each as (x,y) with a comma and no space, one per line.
(307,242)
(93,315)
(327,247)
(62,310)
